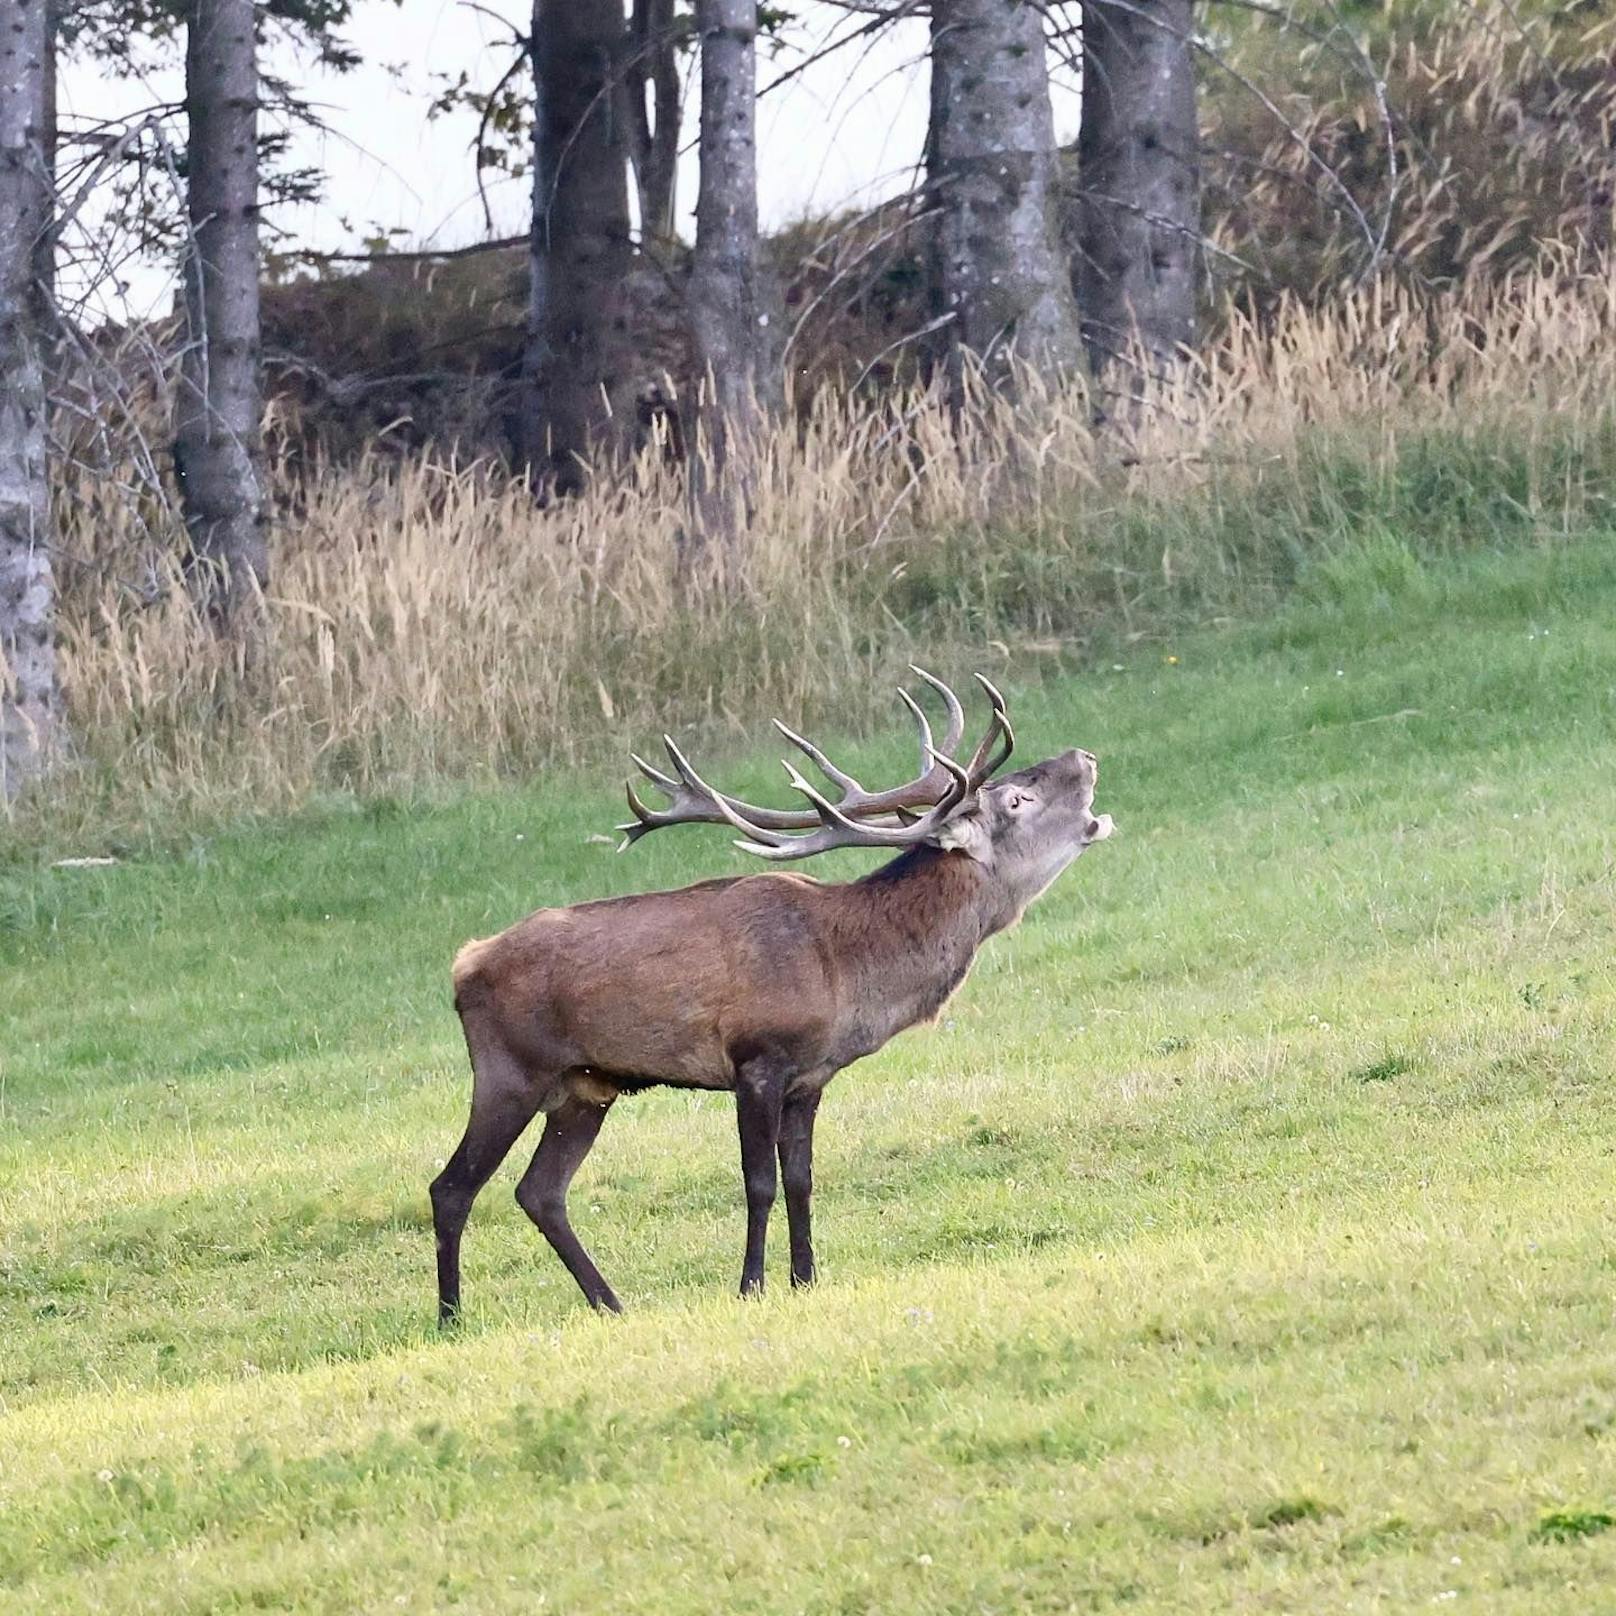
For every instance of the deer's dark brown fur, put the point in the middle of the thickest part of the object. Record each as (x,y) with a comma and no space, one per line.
(766,985)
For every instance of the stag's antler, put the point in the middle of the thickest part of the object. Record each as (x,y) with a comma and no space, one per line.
(897,817)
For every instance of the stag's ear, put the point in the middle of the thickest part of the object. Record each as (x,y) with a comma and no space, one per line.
(967,833)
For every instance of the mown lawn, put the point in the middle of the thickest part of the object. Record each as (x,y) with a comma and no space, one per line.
(1241,1240)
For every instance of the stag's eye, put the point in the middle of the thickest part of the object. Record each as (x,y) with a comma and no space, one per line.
(1015,801)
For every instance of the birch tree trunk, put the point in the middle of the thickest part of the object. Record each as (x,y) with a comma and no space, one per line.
(30,700)
(727,315)
(1138,263)
(219,407)
(578,344)
(991,156)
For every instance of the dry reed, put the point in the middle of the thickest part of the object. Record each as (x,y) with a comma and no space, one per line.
(428,620)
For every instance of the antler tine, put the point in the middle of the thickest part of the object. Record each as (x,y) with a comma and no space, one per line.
(655,776)
(680,762)
(685,806)
(1002,711)
(926,747)
(638,826)
(828,811)
(999,731)
(956,712)
(962,778)
(837,777)
(645,819)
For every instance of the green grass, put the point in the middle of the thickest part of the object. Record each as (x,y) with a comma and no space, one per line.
(1240,1240)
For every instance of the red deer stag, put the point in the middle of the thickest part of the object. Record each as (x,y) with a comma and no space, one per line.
(767,985)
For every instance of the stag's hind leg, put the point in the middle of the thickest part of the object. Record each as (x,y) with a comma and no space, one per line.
(569,1132)
(796,1150)
(503,1101)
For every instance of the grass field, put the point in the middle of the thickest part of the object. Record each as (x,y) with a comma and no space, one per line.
(1241,1240)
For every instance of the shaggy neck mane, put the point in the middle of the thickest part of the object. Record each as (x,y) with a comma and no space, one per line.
(918,898)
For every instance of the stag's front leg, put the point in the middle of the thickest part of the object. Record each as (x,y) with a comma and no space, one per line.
(797,1173)
(759,1093)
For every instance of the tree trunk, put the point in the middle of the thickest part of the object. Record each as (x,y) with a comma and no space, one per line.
(44,265)
(30,700)
(654,70)
(1138,262)
(577,361)
(219,408)
(991,157)
(727,315)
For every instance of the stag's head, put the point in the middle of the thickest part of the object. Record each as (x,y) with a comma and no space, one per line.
(1025,827)
(1028,826)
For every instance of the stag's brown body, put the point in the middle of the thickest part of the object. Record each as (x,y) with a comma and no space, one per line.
(765,985)
(684,988)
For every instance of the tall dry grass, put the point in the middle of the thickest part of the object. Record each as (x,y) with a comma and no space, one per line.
(428,620)
(1444,141)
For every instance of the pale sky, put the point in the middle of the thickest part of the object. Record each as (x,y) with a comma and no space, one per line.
(849,130)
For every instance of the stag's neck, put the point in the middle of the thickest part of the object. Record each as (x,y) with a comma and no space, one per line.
(945,891)
(907,934)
